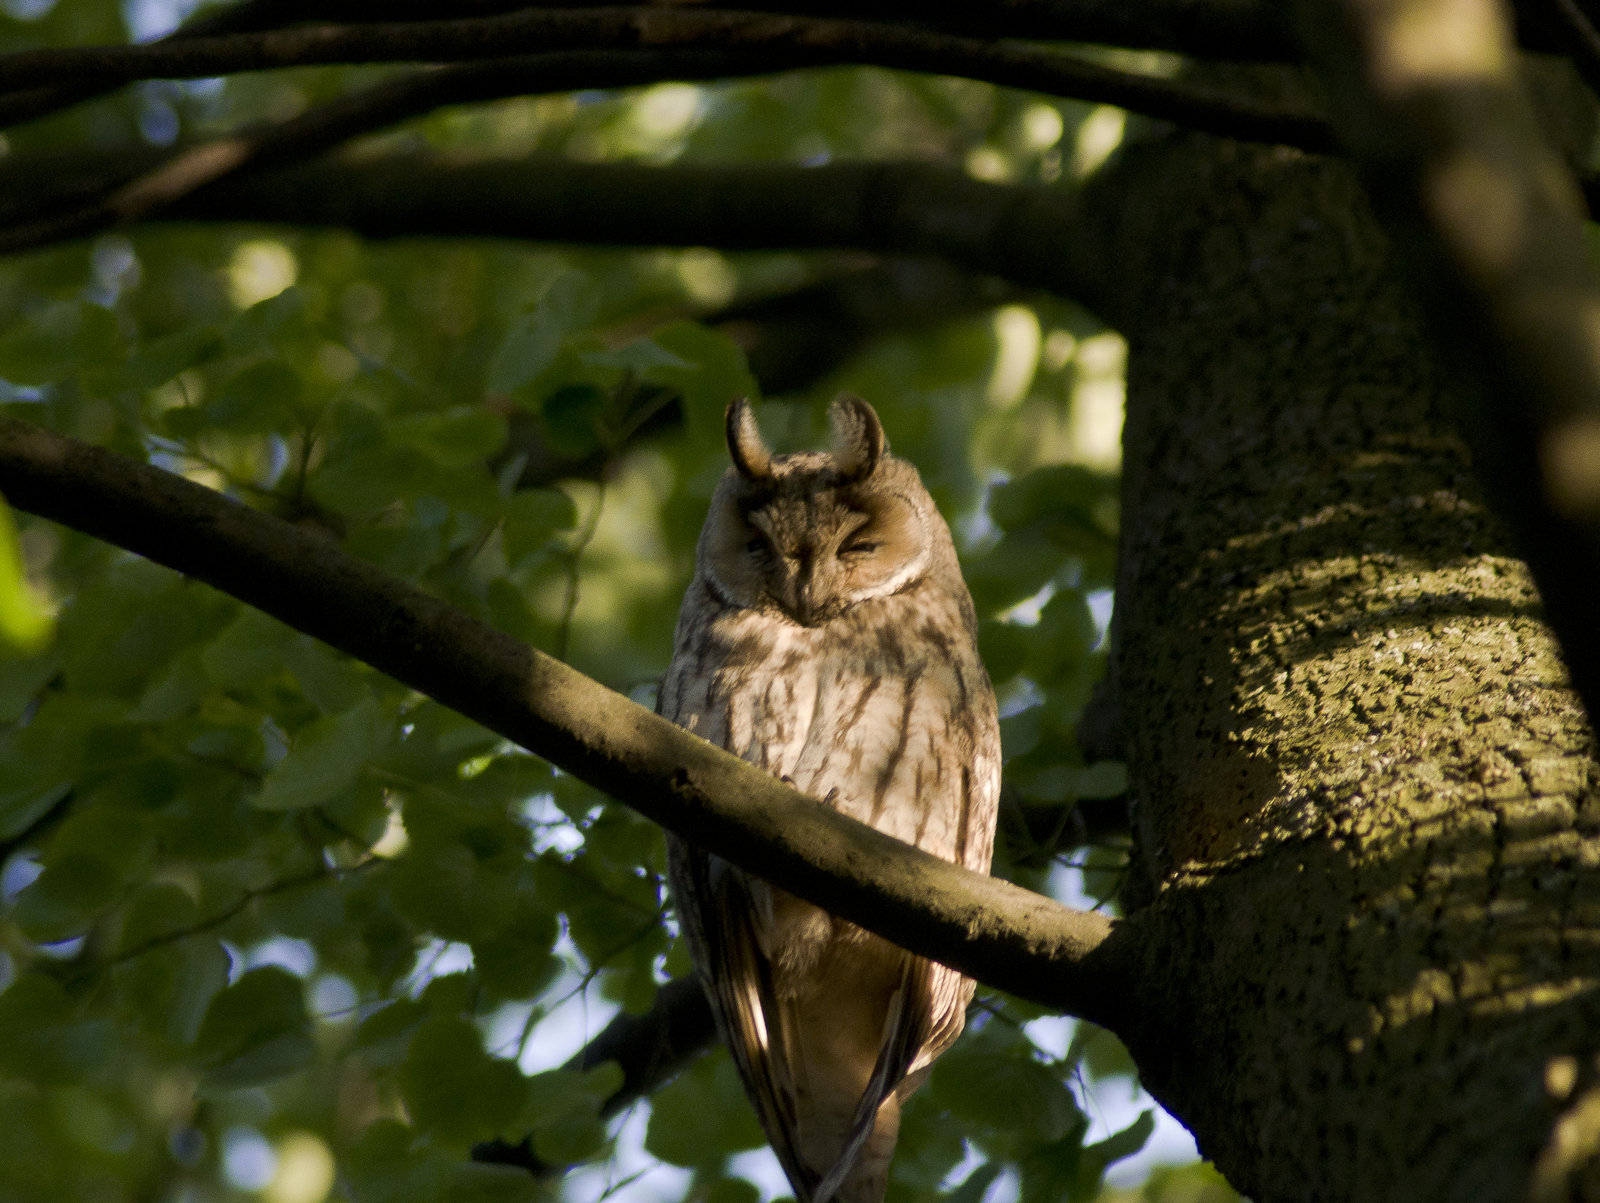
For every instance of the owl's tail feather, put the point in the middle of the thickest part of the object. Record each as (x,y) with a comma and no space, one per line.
(906,1028)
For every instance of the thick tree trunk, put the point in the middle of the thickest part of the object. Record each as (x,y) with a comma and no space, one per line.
(1366,817)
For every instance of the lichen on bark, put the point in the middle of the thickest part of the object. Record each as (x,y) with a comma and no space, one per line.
(1365,804)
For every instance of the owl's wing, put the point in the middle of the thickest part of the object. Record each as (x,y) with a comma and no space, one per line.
(716,915)
(905,1033)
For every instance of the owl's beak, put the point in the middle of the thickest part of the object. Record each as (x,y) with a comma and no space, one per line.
(799,594)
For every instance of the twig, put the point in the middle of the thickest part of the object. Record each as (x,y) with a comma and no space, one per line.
(245,899)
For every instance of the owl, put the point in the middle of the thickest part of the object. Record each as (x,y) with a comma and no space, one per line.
(828,638)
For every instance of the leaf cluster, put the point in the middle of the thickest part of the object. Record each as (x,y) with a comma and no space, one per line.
(253,887)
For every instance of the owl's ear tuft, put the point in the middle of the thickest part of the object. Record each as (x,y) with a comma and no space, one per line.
(745,444)
(858,442)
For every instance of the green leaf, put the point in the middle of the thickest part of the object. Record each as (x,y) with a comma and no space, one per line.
(255,1031)
(1063,638)
(732,1190)
(332,682)
(532,517)
(274,321)
(361,481)
(1004,1092)
(156,911)
(21,682)
(517,963)
(1099,1052)
(563,1109)
(56,341)
(1063,1170)
(40,762)
(453,438)
(572,1139)
(567,306)
(159,360)
(326,757)
(1057,490)
(642,355)
(1013,570)
(262,398)
(556,1093)
(407,551)
(66,898)
(390,1165)
(1058,782)
(453,1090)
(1198,1182)
(166,990)
(45,1037)
(977,1183)
(247,651)
(717,373)
(26,627)
(702,1117)
(173,691)
(1124,1143)
(1004,647)
(384,1038)
(574,419)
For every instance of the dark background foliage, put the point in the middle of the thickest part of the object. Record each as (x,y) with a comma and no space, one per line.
(274,923)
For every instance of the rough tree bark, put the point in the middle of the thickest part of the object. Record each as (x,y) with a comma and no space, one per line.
(1368,840)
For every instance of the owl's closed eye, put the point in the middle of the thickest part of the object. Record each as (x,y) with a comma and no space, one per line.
(811,539)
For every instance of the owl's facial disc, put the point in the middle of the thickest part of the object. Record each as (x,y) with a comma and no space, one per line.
(884,551)
(812,555)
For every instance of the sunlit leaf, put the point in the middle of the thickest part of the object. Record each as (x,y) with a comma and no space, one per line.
(25,625)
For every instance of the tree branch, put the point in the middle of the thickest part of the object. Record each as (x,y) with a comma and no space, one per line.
(803,41)
(1026,234)
(180,174)
(1487,220)
(996,932)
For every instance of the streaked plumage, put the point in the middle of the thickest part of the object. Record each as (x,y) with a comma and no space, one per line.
(827,637)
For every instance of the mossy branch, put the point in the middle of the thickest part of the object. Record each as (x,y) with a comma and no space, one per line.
(1005,936)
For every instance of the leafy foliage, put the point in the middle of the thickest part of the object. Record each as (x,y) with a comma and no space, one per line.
(254,888)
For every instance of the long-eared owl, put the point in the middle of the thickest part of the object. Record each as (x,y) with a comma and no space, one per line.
(828,637)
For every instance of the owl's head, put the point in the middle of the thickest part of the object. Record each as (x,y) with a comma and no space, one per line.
(815,533)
